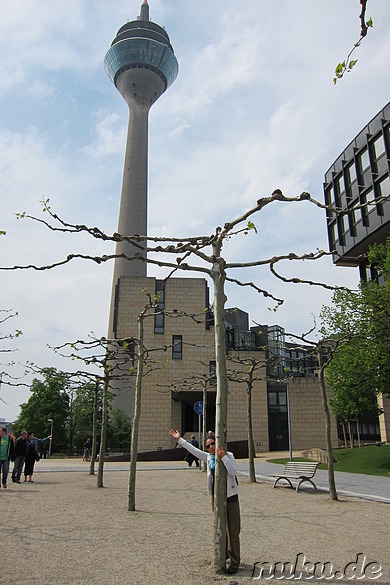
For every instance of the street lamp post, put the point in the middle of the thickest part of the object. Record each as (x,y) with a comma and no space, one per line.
(50,420)
(289,422)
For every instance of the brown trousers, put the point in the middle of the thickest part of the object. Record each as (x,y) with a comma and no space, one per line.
(233,527)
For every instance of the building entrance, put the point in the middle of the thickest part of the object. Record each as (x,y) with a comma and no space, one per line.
(189,418)
(277,419)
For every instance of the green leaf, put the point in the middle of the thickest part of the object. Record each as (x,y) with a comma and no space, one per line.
(340,68)
(370,22)
(251,226)
(352,64)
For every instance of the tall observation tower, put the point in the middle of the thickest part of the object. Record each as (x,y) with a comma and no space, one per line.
(142,65)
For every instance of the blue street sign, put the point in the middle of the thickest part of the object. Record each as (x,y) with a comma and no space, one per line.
(198,407)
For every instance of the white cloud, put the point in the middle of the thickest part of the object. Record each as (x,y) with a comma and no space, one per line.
(110,136)
(253,108)
(181,127)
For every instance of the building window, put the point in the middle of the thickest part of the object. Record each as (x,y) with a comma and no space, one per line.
(177,347)
(382,191)
(379,146)
(242,340)
(370,198)
(160,306)
(384,187)
(364,160)
(332,236)
(276,351)
(159,322)
(351,172)
(341,185)
(365,200)
(341,229)
(277,401)
(352,222)
(329,200)
(212,373)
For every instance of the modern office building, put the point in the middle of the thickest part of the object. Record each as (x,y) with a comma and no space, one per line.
(360,177)
(358,184)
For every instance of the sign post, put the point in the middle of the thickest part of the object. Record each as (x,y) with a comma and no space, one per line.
(198,407)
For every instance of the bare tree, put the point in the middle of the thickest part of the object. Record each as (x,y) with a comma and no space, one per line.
(5,315)
(325,349)
(107,355)
(248,375)
(203,254)
(143,356)
(94,425)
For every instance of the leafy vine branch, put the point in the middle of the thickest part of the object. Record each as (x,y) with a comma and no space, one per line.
(348,64)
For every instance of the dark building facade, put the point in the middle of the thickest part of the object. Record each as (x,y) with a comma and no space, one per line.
(357,183)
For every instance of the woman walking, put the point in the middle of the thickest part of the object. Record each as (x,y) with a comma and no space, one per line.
(32,454)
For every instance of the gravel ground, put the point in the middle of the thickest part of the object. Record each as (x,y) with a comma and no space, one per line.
(63,530)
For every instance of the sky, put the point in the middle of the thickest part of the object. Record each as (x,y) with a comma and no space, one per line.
(254,108)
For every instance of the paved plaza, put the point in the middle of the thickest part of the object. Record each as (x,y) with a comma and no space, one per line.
(63,530)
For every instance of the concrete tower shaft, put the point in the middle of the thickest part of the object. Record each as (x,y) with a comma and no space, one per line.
(141,63)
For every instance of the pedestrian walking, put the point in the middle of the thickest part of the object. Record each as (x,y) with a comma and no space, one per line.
(20,456)
(6,454)
(190,458)
(87,450)
(32,454)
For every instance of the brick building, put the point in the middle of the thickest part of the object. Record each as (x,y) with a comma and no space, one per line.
(191,352)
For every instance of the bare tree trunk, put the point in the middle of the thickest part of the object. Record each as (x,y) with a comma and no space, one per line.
(203,464)
(251,444)
(218,275)
(350,435)
(104,428)
(94,428)
(136,415)
(345,436)
(328,439)
(358,433)
(71,419)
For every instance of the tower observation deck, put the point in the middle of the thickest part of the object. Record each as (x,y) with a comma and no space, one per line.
(142,65)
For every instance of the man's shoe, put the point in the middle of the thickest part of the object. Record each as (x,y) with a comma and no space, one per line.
(17,481)
(231,570)
(5,486)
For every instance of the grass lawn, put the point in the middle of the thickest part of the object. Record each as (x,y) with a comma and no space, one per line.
(371,460)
